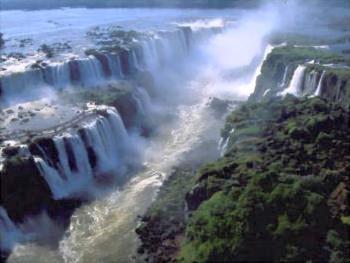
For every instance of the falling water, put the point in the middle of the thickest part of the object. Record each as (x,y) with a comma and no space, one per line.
(319,86)
(296,82)
(106,137)
(310,84)
(284,80)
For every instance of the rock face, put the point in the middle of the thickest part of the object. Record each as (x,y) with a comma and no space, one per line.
(336,86)
(328,77)
(46,149)
(75,75)
(287,189)
(2,42)
(103,59)
(127,108)
(24,191)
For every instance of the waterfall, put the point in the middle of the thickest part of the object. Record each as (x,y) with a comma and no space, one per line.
(115,65)
(319,86)
(91,71)
(150,53)
(99,148)
(310,84)
(296,82)
(58,75)
(9,232)
(19,82)
(143,101)
(284,80)
(223,143)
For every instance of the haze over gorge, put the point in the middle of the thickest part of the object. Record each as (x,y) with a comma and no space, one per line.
(174,131)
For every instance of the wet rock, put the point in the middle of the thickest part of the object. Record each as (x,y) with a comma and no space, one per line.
(2,41)
(24,191)
(196,197)
(103,59)
(45,148)
(219,107)
(10,151)
(75,74)
(124,60)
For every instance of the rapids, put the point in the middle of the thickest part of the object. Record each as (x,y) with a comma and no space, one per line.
(186,80)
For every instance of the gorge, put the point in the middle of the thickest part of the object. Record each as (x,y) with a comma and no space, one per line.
(109,118)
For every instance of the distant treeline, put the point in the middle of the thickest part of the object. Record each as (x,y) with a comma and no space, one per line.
(48,4)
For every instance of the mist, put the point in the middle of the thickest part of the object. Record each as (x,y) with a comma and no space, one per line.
(116,159)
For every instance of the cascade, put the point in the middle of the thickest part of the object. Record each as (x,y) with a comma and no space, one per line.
(310,84)
(284,80)
(115,65)
(91,71)
(58,75)
(143,101)
(224,142)
(9,233)
(18,82)
(296,82)
(97,149)
(150,53)
(319,86)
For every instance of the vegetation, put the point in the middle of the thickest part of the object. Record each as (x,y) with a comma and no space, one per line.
(279,194)
(162,227)
(269,83)
(285,201)
(105,96)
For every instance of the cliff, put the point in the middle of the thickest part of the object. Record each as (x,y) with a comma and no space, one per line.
(326,74)
(280,193)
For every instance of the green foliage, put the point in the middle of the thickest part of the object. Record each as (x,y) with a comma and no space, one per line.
(336,84)
(170,200)
(107,96)
(273,203)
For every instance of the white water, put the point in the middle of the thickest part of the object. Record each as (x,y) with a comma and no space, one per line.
(103,231)
(8,229)
(319,86)
(158,50)
(110,143)
(296,82)
(284,80)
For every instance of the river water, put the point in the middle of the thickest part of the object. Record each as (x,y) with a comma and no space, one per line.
(103,231)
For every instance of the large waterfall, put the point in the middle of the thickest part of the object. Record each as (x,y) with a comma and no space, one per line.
(304,82)
(296,82)
(97,154)
(151,53)
(82,157)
